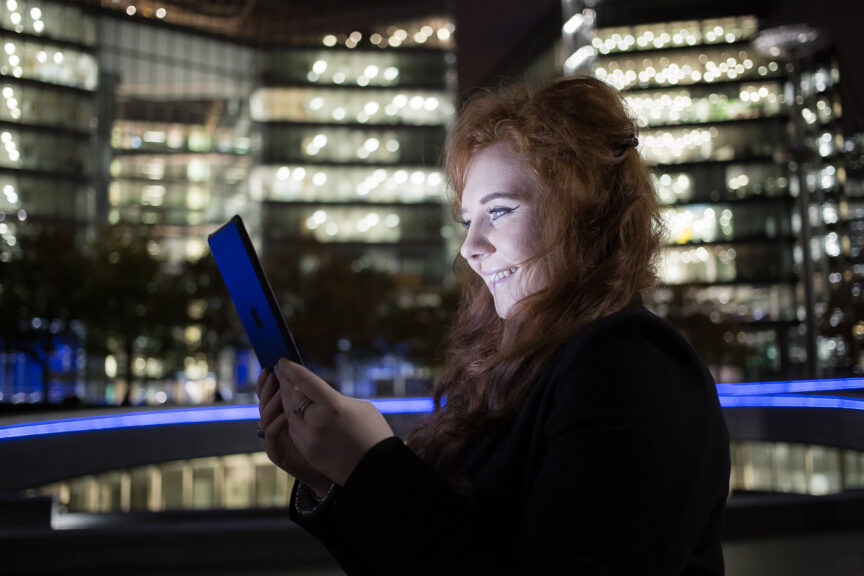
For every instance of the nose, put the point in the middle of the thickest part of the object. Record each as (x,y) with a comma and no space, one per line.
(476,244)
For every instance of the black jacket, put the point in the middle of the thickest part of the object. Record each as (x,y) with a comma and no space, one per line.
(618,463)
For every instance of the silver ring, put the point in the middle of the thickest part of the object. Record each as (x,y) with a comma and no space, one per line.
(301,407)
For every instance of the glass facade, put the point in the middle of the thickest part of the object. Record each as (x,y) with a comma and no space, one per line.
(337,66)
(57,21)
(349,183)
(49,94)
(181,139)
(28,148)
(37,105)
(48,62)
(331,143)
(351,133)
(48,83)
(110,120)
(330,106)
(854,221)
(374,145)
(795,468)
(720,120)
(821,180)
(225,482)
(251,480)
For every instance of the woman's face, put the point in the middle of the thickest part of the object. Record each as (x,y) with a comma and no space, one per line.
(499,212)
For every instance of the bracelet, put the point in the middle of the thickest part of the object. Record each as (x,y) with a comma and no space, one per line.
(308,505)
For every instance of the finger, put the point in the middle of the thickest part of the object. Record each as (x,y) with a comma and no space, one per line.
(275,427)
(275,439)
(290,397)
(262,380)
(307,383)
(269,411)
(268,390)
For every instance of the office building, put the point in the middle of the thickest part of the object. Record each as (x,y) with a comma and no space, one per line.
(129,119)
(741,125)
(337,129)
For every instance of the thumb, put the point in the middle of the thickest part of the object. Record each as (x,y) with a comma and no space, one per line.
(306,382)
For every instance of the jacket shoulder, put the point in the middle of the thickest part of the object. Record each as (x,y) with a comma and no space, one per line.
(630,335)
(630,362)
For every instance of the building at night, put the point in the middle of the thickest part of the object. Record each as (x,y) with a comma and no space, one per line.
(740,118)
(130,121)
(324,134)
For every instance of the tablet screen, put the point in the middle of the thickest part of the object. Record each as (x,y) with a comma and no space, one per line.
(252,295)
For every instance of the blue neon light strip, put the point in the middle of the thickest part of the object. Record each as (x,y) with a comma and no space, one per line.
(403,405)
(130,420)
(791,387)
(757,394)
(791,401)
(187,416)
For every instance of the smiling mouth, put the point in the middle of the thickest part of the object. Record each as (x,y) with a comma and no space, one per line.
(498,276)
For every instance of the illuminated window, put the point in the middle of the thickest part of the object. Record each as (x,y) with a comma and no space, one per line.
(697,223)
(36,61)
(251,480)
(373,106)
(675,34)
(373,145)
(676,145)
(352,68)
(698,264)
(366,224)
(311,183)
(683,67)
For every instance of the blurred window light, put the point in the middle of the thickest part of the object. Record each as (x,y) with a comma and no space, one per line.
(574,23)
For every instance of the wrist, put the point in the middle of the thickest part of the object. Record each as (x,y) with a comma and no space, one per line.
(319,490)
(308,505)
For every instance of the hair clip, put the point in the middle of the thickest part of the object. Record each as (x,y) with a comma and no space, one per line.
(631,140)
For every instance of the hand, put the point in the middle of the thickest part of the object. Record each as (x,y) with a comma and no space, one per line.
(334,432)
(273,424)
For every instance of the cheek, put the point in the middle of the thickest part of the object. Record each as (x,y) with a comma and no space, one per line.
(535,276)
(527,242)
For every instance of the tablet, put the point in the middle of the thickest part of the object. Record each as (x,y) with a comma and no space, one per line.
(252,295)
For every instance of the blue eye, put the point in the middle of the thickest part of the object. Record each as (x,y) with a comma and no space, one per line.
(464,223)
(499,211)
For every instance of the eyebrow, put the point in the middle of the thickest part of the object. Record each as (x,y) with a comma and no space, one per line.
(495,195)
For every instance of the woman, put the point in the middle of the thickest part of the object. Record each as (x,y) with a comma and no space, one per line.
(574,432)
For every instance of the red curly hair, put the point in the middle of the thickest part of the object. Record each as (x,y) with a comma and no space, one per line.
(599,244)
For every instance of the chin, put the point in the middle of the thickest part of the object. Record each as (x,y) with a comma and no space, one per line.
(503,310)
